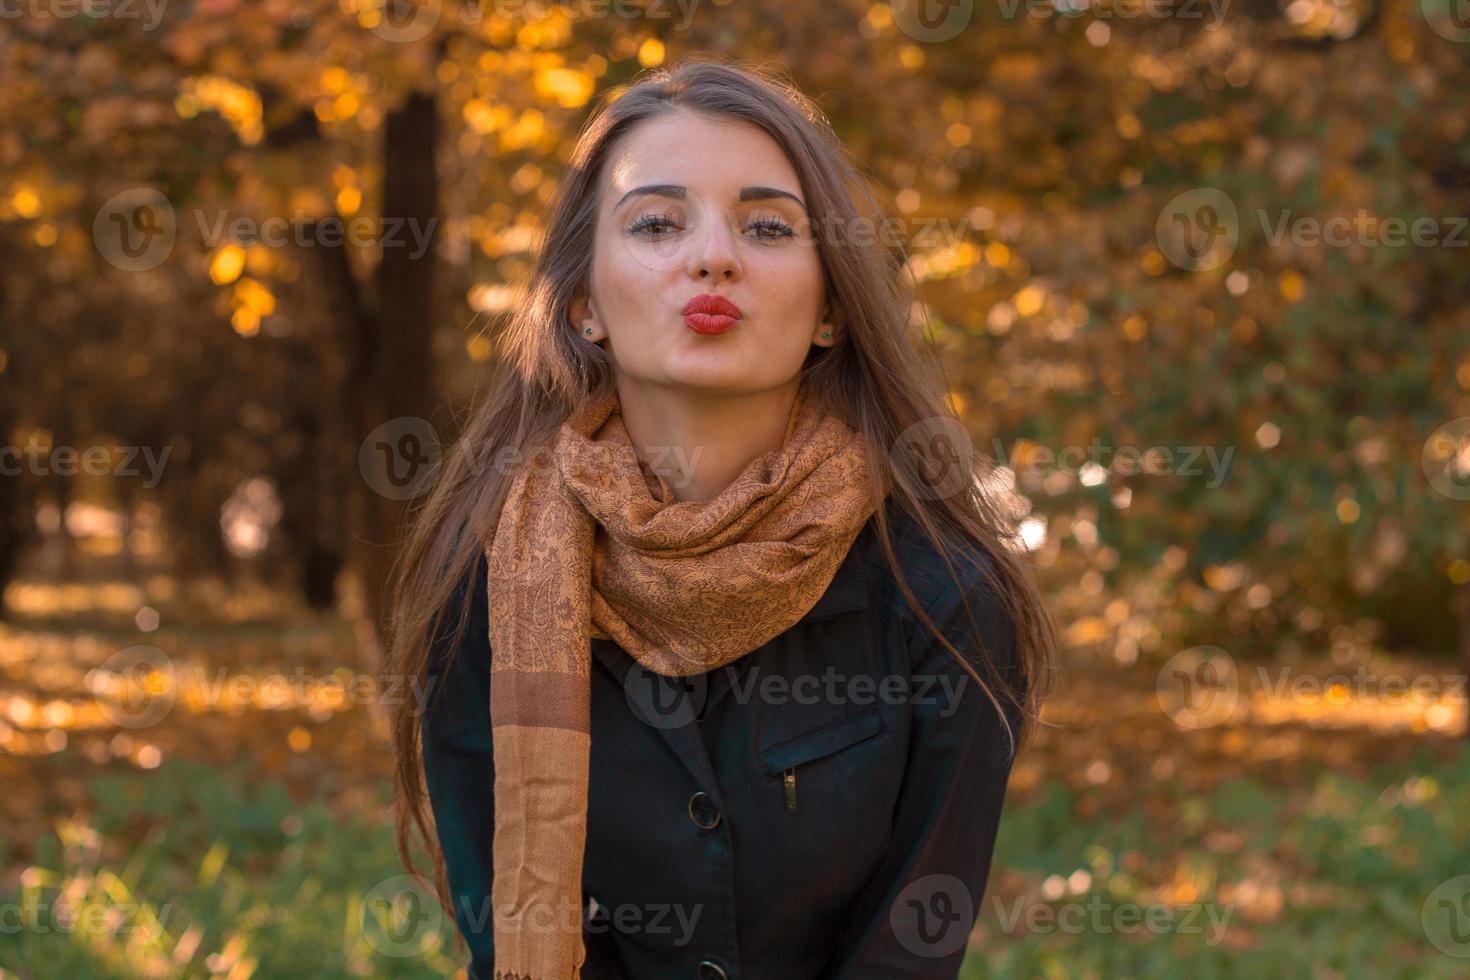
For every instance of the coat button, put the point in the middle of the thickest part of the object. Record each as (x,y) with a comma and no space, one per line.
(705,814)
(710,970)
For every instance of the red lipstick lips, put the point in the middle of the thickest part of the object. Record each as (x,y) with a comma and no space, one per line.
(710,314)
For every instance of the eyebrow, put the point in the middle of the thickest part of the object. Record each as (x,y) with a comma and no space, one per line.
(678,192)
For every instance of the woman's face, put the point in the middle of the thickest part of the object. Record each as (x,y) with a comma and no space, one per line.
(691,206)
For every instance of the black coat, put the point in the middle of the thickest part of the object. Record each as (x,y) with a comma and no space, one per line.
(825,807)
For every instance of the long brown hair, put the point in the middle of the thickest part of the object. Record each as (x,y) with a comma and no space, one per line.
(874,377)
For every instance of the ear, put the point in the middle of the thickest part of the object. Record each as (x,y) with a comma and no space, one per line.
(829,328)
(579,311)
(583,320)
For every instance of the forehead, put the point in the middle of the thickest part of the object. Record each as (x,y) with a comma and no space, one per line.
(707,155)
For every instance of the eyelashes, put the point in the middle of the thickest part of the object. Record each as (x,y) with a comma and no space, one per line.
(780,228)
(651,221)
(768,229)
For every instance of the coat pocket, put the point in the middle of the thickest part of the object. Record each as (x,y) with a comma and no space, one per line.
(783,758)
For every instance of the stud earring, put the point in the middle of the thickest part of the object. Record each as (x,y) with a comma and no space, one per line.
(588,331)
(826,334)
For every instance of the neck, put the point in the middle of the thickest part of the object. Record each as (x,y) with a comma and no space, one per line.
(699,443)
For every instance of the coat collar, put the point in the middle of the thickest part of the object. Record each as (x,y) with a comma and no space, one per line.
(850,585)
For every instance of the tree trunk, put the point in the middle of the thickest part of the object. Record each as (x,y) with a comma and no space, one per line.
(384,370)
(311,482)
(1462,611)
(402,352)
(17,491)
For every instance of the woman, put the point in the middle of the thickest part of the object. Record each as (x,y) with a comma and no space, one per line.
(727,684)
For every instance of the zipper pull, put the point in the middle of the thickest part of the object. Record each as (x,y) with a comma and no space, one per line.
(788,778)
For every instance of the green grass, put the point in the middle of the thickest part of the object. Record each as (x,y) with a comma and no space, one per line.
(193,871)
(224,869)
(1354,862)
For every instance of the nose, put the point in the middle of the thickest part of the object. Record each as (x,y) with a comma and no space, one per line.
(717,258)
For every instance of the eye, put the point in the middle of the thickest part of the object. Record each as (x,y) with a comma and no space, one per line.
(772,229)
(661,224)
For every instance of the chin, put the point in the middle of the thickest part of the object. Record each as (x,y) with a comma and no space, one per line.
(709,369)
(710,383)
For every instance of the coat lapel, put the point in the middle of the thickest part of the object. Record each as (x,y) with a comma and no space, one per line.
(848,592)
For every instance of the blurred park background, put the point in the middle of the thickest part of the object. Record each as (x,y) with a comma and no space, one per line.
(1198,271)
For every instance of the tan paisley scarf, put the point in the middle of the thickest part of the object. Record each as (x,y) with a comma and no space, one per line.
(588,544)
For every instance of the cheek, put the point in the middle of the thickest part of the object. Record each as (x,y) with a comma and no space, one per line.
(791,286)
(624,287)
